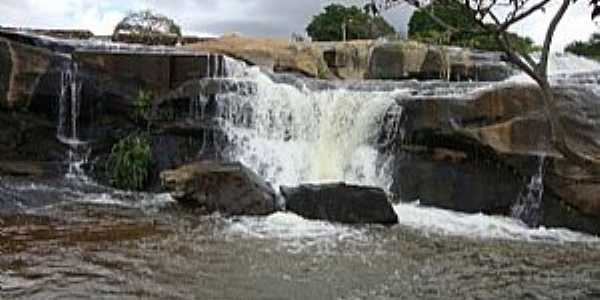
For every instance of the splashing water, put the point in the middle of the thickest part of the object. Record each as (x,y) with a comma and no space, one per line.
(565,65)
(67,130)
(293,135)
(529,203)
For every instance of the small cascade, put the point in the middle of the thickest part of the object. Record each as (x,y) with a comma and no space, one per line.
(198,107)
(292,135)
(529,204)
(68,130)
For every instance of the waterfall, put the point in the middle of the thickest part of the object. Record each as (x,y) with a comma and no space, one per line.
(68,116)
(292,135)
(529,204)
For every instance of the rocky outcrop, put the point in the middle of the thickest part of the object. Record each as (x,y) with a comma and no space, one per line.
(77,34)
(403,60)
(479,154)
(349,60)
(272,54)
(363,59)
(27,72)
(340,203)
(228,188)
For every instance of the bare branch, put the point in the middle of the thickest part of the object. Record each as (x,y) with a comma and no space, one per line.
(543,65)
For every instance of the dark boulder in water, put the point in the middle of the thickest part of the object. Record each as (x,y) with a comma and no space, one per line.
(340,203)
(227,188)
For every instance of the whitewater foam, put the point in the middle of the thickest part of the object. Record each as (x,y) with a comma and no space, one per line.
(292,135)
(440,221)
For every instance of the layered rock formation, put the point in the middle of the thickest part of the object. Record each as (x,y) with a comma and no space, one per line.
(276,55)
(36,73)
(478,154)
(356,60)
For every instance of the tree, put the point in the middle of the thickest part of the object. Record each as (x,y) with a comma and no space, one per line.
(503,14)
(357,24)
(591,48)
(423,28)
(147,27)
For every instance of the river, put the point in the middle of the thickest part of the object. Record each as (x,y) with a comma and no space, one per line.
(70,238)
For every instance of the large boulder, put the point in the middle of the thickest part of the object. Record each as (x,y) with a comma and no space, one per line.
(340,203)
(228,188)
(401,60)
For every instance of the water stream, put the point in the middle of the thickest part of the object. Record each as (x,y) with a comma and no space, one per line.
(68,121)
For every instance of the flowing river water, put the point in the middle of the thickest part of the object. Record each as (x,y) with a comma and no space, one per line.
(70,238)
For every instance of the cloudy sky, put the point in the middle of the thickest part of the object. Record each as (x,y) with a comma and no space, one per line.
(277,18)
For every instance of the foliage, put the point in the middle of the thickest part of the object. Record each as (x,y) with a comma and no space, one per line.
(142,104)
(130,161)
(590,49)
(424,29)
(505,14)
(327,26)
(147,26)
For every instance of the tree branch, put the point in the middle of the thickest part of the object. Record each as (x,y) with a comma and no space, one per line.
(543,65)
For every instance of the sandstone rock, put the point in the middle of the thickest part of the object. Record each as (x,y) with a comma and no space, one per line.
(496,137)
(340,203)
(27,72)
(277,55)
(347,60)
(228,188)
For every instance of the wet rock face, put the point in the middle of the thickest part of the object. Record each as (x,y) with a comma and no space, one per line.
(455,180)
(477,154)
(228,188)
(340,203)
(27,73)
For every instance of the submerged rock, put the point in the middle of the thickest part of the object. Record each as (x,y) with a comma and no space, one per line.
(228,188)
(340,203)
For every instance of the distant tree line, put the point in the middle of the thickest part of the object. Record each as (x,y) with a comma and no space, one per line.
(424,28)
(590,49)
(337,22)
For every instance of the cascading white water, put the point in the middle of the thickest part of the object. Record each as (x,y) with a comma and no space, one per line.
(68,131)
(528,205)
(562,65)
(292,136)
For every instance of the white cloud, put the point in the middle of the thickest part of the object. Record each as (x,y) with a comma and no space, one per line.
(253,17)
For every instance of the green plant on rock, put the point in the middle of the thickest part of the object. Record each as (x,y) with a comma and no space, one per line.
(130,161)
(142,105)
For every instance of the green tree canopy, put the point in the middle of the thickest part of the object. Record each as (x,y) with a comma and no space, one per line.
(590,49)
(421,27)
(328,25)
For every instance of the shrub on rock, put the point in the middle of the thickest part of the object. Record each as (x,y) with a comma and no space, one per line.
(147,27)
